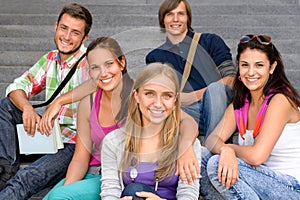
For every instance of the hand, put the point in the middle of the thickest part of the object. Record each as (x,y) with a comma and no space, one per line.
(30,119)
(186,165)
(187,99)
(47,121)
(228,172)
(148,196)
(126,198)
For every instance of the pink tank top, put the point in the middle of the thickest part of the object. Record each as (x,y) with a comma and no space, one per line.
(97,131)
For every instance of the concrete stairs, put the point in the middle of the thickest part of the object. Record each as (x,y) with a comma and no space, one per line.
(26,29)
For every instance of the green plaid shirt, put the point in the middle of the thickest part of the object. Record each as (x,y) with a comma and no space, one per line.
(47,74)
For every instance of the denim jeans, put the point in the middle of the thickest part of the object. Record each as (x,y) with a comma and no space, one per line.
(44,172)
(132,188)
(207,190)
(209,111)
(255,182)
(9,117)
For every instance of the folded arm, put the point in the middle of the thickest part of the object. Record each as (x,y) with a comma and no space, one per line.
(86,88)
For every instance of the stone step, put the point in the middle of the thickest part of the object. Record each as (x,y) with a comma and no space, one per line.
(37,98)
(26,30)
(139,9)
(152,2)
(226,31)
(25,34)
(104,20)
(9,73)
(234,2)
(46,44)
(136,61)
(293,76)
(28,58)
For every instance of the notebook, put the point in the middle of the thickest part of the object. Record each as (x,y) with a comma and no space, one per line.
(40,144)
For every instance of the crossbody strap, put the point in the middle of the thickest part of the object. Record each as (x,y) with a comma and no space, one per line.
(190,59)
(61,86)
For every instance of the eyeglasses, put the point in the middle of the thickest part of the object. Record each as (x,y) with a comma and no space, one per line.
(263,39)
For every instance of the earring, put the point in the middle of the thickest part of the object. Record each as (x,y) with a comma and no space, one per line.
(239,78)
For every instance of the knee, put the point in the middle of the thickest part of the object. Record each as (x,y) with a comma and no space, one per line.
(217,89)
(205,152)
(5,102)
(57,194)
(205,155)
(216,86)
(217,94)
(212,164)
(7,107)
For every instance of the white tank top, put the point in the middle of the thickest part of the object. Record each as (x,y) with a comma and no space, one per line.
(285,156)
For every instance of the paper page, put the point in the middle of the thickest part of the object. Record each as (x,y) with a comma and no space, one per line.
(39,144)
(57,132)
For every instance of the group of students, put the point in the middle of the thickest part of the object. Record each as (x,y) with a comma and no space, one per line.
(137,139)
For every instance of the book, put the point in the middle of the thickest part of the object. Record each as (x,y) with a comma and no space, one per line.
(40,143)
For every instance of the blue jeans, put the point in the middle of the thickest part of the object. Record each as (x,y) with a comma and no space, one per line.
(132,188)
(209,111)
(44,172)
(207,190)
(9,117)
(87,189)
(255,182)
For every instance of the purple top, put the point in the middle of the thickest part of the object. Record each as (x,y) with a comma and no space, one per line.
(97,131)
(167,188)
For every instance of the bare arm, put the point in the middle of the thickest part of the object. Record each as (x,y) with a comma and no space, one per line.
(228,165)
(225,128)
(278,114)
(30,117)
(187,160)
(86,88)
(81,158)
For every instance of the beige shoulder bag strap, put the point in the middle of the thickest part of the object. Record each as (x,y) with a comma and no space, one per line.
(190,59)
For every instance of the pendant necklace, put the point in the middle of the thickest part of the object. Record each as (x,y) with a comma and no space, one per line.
(134,173)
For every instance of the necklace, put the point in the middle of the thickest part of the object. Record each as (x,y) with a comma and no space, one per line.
(241,115)
(134,173)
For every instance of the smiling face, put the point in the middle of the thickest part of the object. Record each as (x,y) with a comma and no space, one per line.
(69,35)
(105,69)
(255,69)
(156,99)
(175,21)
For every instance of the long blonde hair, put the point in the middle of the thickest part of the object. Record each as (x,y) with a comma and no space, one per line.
(168,134)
